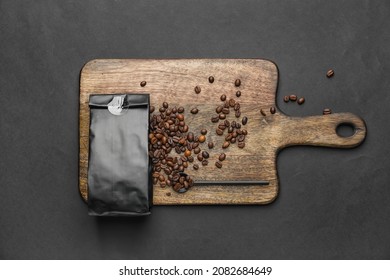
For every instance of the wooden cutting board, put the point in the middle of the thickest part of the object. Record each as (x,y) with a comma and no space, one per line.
(174,80)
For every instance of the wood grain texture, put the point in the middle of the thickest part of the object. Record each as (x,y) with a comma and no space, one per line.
(173,81)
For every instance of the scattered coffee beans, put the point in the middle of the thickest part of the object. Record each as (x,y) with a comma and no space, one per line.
(203,131)
(223,97)
(143,83)
(211,145)
(237,82)
(286,98)
(238,93)
(201,138)
(222,157)
(211,79)
(272,110)
(244,120)
(218,164)
(226,145)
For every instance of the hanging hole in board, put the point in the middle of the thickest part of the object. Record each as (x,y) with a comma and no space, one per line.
(345,130)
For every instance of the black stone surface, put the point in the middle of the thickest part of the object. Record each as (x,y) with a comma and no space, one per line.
(333,204)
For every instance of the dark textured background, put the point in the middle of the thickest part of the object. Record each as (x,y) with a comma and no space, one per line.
(333,204)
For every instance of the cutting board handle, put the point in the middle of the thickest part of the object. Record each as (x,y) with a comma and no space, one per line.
(321,131)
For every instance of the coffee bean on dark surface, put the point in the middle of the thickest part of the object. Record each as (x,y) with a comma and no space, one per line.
(301,100)
(194,111)
(226,144)
(238,93)
(223,97)
(327,111)
(262,112)
(237,82)
(286,98)
(203,131)
(222,157)
(272,110)
(143,83)
(211,145)
(218,164)
(244,120)
(293,97)
(330,73)
(197,89)
(211,79)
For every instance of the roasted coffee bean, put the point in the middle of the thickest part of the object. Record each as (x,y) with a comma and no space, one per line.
(197,89)
(286,98)
(219,131)
(237,106)
(163,184)
(151,109)
(237,82)
(205,162)
(187,153)
(190,137)
(228,137)
(167,171)
(238,131)
(301,100)
(293,97)
(226,104)
(168,112)
(201,138)
(161,178)
(162,110)
(233,140)
(177,186)
(241,138)
(180,117)
(194,111)
(225,111)
(180,110)
(238,93)
(182,123)
(234,134)
(215,119)
(226,144)
(203,131)
(244,120)
(230,129)
(191,159)
(262,112)
(218,164)
(199,157)
(195,166)
(185,164)
(153,140)
(211,79)
(211,145)
(142,84)
(219,109)
(165,105)
(222,157)
(205,154)
(330,73)
(197,150)
(244,131)
(155,175)
(222,116)
(168,194)
(238,114)
(241,145)
(226,123)
(327,111)
(222,126)
(233,124)
(232,102)
(174,110)
(272,110)
(223,97)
